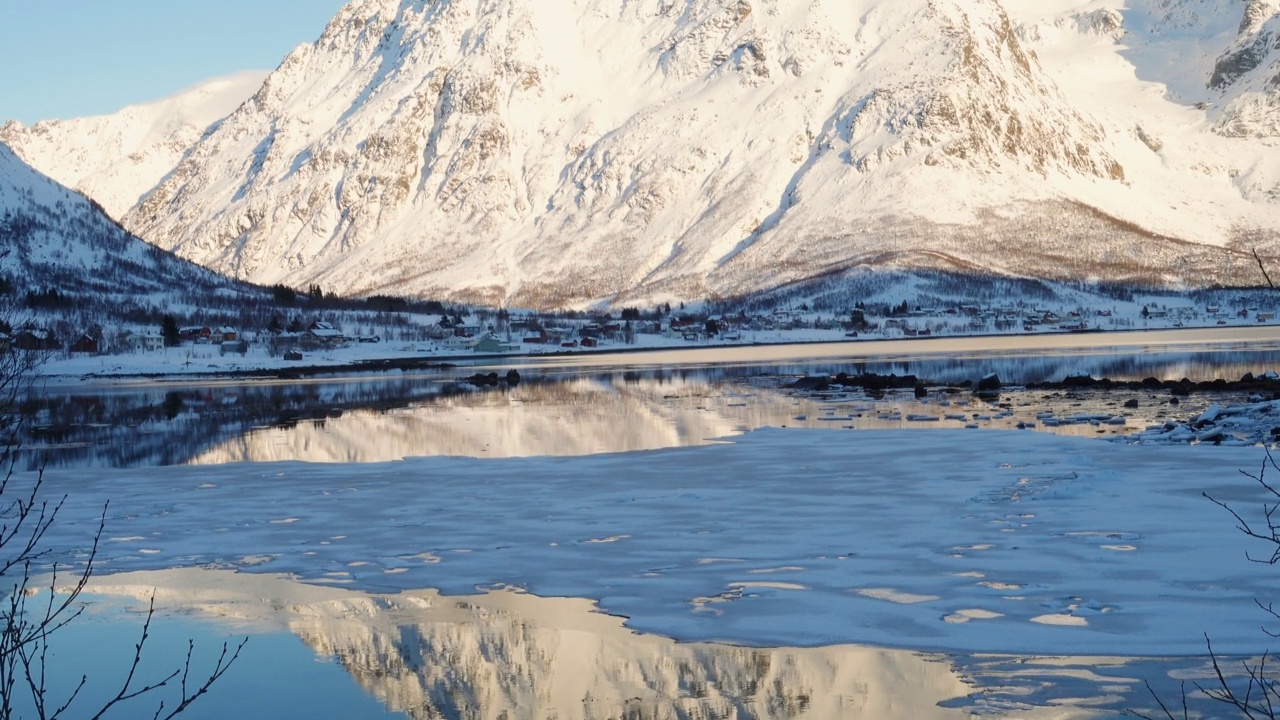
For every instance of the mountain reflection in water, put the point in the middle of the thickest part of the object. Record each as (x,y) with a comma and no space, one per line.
(558,410)
(506,654)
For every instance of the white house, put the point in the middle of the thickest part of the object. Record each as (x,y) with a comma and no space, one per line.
(134,341)
(455,342)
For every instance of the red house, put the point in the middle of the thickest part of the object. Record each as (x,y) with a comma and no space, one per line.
(36,339)
(85,344)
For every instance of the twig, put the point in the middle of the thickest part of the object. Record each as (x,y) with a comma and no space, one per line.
(1263,268)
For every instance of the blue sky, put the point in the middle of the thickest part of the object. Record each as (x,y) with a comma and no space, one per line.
(70,58)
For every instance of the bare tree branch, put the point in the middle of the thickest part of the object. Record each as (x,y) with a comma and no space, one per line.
(1155,696)
(27,621)
(1263,268)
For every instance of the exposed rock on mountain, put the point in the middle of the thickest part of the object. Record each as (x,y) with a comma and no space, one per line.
(580,151)
(1255,43)
(1249,74)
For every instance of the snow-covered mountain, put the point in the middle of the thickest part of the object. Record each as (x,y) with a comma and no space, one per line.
(52,238)
(564,152)
(116,159)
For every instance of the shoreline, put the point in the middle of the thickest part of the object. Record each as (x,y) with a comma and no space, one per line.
(280,370)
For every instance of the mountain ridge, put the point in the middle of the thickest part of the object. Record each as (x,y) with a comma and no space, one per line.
(118,158)
(63,247)
(577,152)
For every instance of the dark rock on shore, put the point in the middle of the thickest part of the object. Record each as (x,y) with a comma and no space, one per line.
(1265,385)
(812,382)
(511,379)
(873,381)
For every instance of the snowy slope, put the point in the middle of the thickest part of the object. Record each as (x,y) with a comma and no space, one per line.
(116,159)
(565,152)
(54,238)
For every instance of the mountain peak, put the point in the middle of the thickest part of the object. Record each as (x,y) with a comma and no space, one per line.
(572,152)
(117,158)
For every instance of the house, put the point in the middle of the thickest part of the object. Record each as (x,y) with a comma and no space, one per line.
(36,339)
(284,340)
(139,341)
(322,334)
(195,334)
(233,347)
(84,344)
(608,330)
(491,344)
(439,332)
(526,325)
(226,334)
(457,342)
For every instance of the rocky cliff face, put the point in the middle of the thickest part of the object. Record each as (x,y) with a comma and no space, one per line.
(567,152)
(1248,75)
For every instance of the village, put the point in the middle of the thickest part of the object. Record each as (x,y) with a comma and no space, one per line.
(476,332)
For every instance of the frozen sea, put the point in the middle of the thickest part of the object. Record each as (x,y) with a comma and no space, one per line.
(678,537)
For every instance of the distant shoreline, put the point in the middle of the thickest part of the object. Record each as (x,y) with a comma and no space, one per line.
(866,346)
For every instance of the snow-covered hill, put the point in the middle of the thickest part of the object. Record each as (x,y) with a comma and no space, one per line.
(52,238)
(116,159)
(565,152)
